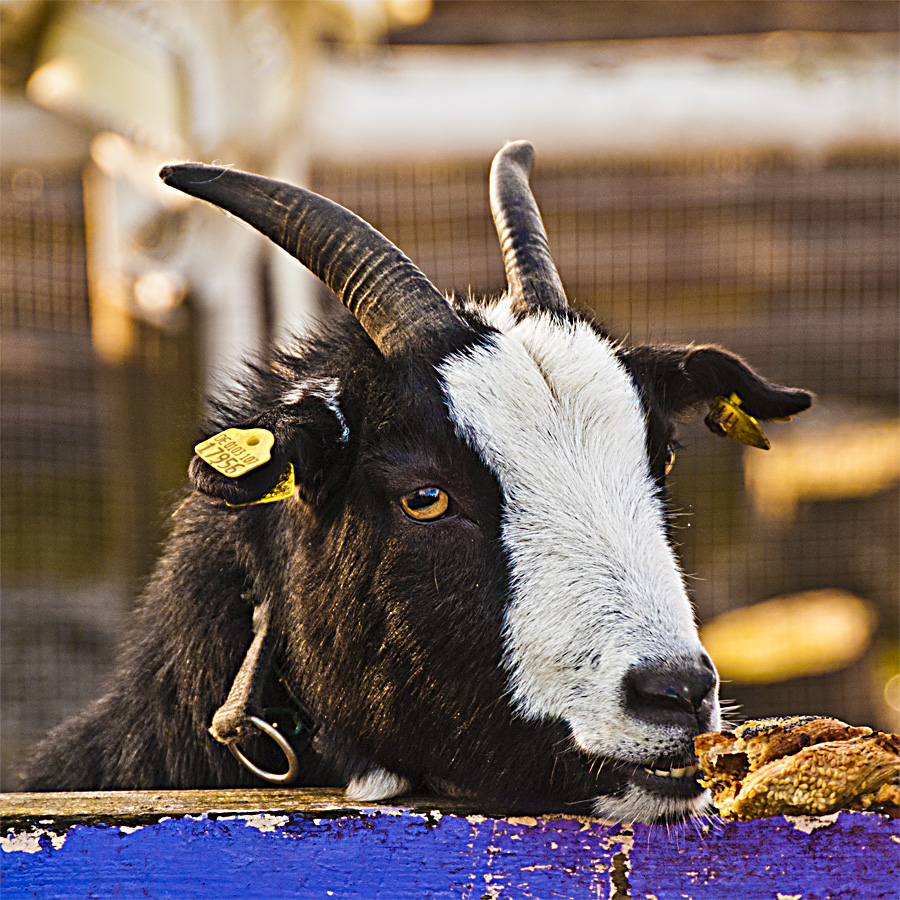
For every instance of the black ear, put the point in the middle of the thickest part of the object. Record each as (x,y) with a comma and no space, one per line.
(309,430)
(243,489)
(682,378)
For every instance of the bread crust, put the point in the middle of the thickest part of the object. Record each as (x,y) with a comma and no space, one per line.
(799,765)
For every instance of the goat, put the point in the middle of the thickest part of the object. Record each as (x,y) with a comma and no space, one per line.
(470,585)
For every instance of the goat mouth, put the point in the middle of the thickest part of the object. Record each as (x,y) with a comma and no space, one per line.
(669,779)
(678,780)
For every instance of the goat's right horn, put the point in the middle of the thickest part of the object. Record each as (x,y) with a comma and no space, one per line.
(534,282)
(392,299)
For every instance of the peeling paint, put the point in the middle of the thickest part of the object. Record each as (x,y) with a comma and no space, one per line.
(311,853)
(619,886)
(27,842)
(523,820)
(30,841)
(264,822)
(809,824)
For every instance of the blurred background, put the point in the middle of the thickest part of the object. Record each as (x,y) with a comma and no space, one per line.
(708,171)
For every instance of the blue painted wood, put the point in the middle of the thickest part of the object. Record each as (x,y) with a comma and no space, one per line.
(394,853)
(855,856)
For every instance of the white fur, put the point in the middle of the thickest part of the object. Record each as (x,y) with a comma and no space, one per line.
(328,390)
(376,784)
(636,805)
(596,586)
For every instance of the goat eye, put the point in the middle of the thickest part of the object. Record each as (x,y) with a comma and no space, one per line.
(670,458)
(425,504)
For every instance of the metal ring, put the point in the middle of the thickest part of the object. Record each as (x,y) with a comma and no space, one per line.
(286,749)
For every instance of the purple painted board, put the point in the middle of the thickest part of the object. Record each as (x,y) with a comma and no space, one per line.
(852,856)
(368,852)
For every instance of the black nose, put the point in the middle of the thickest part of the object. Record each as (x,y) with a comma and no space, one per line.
(672,694)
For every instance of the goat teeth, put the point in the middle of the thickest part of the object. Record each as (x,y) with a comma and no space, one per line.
(686,772)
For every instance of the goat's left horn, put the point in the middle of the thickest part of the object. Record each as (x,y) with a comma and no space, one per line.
(390,296)
(534,282)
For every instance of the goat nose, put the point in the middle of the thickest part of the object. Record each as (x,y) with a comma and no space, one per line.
(667,694)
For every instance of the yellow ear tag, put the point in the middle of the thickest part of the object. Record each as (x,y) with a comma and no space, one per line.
(726,418)
(282,491)
(237,450)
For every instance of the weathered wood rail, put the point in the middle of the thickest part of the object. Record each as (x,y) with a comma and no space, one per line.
(194,845)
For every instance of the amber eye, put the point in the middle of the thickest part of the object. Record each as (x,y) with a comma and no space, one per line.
(425,504)
(670,458)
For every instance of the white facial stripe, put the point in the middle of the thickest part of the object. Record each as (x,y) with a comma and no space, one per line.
(596,586)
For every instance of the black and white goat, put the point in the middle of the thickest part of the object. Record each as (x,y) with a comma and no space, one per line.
(472,588)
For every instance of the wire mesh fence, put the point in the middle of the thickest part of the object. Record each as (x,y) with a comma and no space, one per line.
(90,456)
(793,265)
(790,263)
(52,467)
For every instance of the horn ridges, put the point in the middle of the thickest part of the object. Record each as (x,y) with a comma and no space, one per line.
(533,279)
(390,296)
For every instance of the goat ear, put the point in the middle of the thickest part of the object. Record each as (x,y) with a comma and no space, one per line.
(685,378)
(238,490)
(304,431)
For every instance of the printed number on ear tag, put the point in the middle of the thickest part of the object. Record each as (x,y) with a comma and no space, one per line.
(726,418)
(236,451)
(282,491)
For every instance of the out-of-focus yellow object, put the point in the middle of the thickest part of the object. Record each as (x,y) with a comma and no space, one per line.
(858,459)
(112,322)
(727,419)
(792,636)
(408,12)
(236,451)
(284,490)
(892,693)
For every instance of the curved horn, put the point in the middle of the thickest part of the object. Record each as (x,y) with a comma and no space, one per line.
(392,299)
(531,273)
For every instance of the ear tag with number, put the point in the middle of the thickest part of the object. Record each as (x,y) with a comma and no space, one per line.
(727,419)
(282,491)
(235,451)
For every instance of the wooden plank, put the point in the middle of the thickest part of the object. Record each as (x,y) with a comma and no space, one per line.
(313,844)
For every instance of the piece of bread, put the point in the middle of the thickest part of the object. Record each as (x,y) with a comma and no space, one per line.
(800,765)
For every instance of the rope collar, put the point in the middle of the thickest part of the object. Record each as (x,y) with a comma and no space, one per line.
(243,712)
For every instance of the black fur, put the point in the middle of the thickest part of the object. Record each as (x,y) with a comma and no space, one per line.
(389,629)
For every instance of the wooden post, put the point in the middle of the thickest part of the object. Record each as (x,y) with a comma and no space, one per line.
(314,844)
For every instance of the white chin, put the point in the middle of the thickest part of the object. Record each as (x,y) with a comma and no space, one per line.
(640,805)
